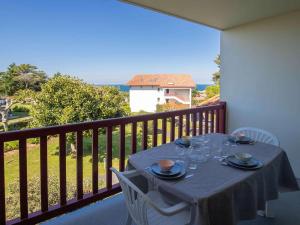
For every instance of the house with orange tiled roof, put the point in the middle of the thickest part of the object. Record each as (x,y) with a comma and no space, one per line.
(149,90)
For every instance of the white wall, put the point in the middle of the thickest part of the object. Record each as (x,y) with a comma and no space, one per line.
(145,98)
(261,79)
(182,93)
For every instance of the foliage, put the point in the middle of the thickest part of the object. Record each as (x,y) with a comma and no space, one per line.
(112,102)
(19,125)
(216,76)
(22,96)
(195,92)
(13,208)
(170,106)
(212,90)
(20,77)
(12,145)
(20,108)
(65,99)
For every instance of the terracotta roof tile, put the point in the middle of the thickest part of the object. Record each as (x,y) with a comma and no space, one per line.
(163,80)
(211,101)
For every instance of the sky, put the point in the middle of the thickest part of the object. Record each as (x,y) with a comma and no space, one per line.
(104,41)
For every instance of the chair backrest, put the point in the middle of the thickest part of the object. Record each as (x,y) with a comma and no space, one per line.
(136,200)
(258,135)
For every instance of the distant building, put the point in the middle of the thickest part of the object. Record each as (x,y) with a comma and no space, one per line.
(148,90)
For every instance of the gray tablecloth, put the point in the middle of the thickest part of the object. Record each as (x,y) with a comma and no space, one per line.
(221,194)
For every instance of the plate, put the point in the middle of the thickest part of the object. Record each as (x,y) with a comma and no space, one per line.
(243,140)
(260,165)
(251,163)
(182,143)
(176,177)
(176,169)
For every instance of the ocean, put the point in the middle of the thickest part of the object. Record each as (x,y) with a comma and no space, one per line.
(125,88)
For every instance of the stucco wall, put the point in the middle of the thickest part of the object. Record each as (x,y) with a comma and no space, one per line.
(261,79)
(145,98)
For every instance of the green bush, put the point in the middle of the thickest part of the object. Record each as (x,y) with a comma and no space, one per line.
(19,125)
(33,141)
(12,199)
(12,145)
(212,90)
(20,108)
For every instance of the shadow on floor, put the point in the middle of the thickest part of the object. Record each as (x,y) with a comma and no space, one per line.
(112,211)
(286,209)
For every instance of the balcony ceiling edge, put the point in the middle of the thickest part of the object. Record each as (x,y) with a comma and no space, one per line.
(219,14)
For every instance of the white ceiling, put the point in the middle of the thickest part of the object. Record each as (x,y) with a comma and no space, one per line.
(220,14)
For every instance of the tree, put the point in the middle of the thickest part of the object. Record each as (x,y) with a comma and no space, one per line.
(21,77)
(5,107)
(65,99)
(195,94)
(214,89)
(216,76)
(22,96)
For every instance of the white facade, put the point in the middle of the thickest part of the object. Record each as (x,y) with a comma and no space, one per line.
(146,98)
(261,79)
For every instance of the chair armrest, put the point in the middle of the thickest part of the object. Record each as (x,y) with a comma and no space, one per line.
(128,173)
(172,210)
(131,173)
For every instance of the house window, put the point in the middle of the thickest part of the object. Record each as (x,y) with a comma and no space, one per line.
(167,100)
(158,89)
(167,91)
(158,99)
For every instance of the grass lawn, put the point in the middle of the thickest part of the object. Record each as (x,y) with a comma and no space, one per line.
(33,156)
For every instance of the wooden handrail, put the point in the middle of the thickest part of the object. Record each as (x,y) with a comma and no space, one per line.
(74,127)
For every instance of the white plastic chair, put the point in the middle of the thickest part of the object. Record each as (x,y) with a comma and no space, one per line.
(260,135)
(149,208)
(257,134)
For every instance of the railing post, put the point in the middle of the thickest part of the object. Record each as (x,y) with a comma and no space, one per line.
(145,135)
(206,122)
(108,157)
(122,148)
(62,169)
(133,137)
(154,135)
(2,184)
(222,118)
(44,173)
(164,130)
(172,135)
(187,124)
(200,123)
(194,132)
(79,174)
(23,179)
(212,121)
(218,121)
(180,126)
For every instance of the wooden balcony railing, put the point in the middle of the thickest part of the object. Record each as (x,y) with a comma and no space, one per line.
(195,121)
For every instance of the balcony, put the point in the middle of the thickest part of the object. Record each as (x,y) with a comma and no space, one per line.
(178,96)
(160,127)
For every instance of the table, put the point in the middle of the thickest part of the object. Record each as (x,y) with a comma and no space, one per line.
(222,195)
